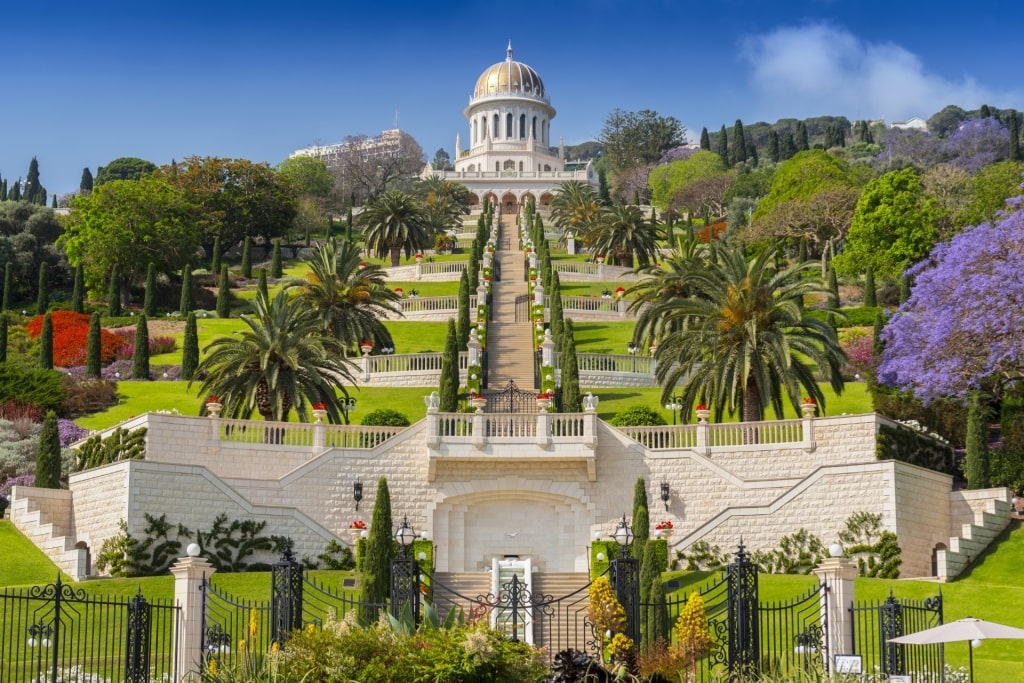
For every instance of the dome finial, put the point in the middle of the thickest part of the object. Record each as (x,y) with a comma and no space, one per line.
(508,52)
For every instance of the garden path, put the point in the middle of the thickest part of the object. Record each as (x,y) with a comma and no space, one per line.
(509,343)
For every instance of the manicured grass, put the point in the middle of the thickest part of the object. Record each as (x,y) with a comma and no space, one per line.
(417,337)
(427,287)
(23,563)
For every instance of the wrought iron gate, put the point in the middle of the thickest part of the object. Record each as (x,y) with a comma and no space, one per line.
(57,632)
(874,623)
(523,308)
(511,399)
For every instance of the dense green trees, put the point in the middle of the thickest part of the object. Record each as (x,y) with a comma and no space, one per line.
(621,232)
(123,168)
(449,389)
(48,457)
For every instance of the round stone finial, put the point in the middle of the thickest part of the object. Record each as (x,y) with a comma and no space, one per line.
(835,550)
(193,550)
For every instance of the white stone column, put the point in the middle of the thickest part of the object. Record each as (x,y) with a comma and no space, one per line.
(808,429)
(473,348)
(419,270)
(538,292)
(433,432)
(547,350)
(703,437)
(319,435)
(189,573)
(478,429)
(837,573)
(543,428)
(590,420)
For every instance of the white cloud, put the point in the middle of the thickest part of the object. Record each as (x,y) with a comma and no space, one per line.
(818,69)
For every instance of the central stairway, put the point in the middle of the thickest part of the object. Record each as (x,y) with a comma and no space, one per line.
(510,351)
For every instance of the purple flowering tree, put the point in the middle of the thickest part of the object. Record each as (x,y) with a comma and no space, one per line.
(961,329)
(907,146)
(978,143)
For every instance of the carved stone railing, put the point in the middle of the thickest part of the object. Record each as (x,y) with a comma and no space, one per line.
(433,304)
(301,434)
(703,437)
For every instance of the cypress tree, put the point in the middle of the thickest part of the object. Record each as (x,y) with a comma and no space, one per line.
(570,394)
(140,357)
(46,343)
(32,186)
(77,294)
(92,348)
(348,224)
(43,292)
(149,302)
(48,457)
(85,186)
(657,620)
(215,259)
(464,317)
(53,204)
(187,304)
(787,146)
(976,463)
(15,194)
(224,293)
(723,146)
(3,338)
(739,143)
(1014,136)
(276,269)
(986,112)
(247,258)
(877,344)
(449,389)
(261,284)
(114,293)
(641,518)
(705,140)
(190,348)
(379,552)
(801,140)
(650,574)
(870,292)
(557,312)
(833,289)
(8,285)
(752,157)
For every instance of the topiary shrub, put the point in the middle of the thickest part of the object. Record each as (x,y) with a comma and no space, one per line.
(637,416)
(385,417)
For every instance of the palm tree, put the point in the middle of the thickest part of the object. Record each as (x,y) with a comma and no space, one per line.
(444,203)
(574,206)
(743,340)
(662,284)
(620,232)
(350,297)
(394,222)
(283,360)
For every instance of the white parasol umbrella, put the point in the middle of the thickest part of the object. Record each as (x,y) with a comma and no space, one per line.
(969,629)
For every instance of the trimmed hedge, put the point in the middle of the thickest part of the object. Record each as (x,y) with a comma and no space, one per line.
(909,446)
(610,549)
(856,316)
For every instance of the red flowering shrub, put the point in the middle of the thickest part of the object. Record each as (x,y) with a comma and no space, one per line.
(70,336)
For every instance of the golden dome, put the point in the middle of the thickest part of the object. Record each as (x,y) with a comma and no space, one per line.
(509,78)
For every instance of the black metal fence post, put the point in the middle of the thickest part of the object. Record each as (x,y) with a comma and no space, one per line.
(286,595)
(405,587)
(137,636)
(890,623)
(744,645)
(625,577)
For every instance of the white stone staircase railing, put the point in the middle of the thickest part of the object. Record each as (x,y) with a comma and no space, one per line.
(33,513)
(974,538)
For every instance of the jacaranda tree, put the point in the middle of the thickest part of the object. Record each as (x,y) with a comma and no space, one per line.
(959,332)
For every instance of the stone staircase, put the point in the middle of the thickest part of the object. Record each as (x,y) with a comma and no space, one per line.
(510,349)
(449,587)
(43,518)
(974,538)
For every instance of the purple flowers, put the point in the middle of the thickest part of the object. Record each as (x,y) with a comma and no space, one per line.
(960,329)
(70,432)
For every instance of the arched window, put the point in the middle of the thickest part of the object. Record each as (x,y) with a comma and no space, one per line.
(533,128)
(497,167)
(497,122)
(483,128)
(522,127)
(544,130)
(510,165)
(472,126)
(547,167)
(508,126)
(520,167)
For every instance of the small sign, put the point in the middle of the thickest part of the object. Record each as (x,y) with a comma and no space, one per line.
(348,583)
(900,679)
(848,664)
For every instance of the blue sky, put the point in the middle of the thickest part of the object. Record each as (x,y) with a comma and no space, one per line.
(87,82)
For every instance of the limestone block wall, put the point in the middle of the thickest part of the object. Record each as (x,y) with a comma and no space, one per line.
(922,516)
(966,505)
(99,502)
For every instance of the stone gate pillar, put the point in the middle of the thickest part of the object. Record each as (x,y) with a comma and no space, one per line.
(189,574)
(837,573)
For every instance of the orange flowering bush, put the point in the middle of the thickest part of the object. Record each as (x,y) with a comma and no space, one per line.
(70,336)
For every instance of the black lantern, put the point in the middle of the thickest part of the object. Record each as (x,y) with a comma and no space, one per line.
(357,493)
(624,571)
(665,494)
(405,575)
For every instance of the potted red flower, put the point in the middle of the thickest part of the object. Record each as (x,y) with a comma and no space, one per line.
(703,413)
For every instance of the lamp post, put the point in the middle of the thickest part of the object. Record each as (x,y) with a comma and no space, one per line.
(665,493)
(674,405)
(39,635)
(347,406)
(633,348)
(405,576)
(625,580)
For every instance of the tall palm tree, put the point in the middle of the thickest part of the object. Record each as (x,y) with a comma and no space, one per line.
(394,222)
(281,361)
(351,298)
(574,206)
(621,231)
(743,340)
(662,284)
(444,203)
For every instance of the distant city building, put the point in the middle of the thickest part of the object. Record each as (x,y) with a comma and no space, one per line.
(386,145)
(510,159)
(914,123)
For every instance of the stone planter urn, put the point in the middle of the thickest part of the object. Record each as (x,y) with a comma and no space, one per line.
(702,415)
(543,403)
(478,402)
(214,408)
(809,409)
(319,415)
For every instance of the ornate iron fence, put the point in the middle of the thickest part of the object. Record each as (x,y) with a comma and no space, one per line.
(57,632)
(876,622)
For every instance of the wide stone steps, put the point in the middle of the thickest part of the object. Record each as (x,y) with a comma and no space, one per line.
(973,539)
(50,538)
(459,590)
